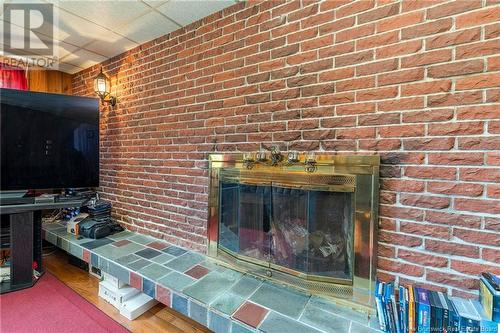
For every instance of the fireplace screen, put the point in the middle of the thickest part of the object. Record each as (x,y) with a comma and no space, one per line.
(306,231)
(314,230)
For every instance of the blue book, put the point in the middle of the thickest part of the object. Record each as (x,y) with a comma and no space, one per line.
(436,312)
(486,325)
(384,307)
(406,318)
(446,312)
(489,298)
(469,319)
(395,312)
(388,308)
(402,308)
(423,310)
(379,289)
(454,318)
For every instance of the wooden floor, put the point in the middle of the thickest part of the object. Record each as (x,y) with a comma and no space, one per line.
(158,319)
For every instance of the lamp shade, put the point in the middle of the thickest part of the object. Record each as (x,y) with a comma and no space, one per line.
(102,86)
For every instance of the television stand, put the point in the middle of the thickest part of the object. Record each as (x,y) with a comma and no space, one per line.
(15,198)
(26,241)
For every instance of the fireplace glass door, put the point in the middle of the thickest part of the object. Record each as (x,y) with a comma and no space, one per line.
(303,231)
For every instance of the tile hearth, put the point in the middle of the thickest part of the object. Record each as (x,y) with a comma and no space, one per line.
(224,300)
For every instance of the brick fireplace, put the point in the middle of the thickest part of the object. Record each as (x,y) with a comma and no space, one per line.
(414,81)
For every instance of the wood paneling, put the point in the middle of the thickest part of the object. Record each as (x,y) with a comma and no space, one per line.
(42,80)
(50,81)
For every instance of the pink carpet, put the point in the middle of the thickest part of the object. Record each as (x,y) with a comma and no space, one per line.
(50,306)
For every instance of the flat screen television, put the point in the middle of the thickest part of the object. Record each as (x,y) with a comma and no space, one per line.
(48,141)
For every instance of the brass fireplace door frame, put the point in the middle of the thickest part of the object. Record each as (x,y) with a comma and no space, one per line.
(337,173)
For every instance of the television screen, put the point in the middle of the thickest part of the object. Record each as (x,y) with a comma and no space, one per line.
(48,141)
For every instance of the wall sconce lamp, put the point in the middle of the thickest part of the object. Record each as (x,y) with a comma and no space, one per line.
(102,87)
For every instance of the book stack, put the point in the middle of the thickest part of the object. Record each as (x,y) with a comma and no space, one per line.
(416,310)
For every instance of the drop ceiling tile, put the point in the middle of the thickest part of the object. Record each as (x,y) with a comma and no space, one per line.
(77,31)
(148,27)
(155,3)
(187,11)
(83,58)
(110,14)
(67,68)
(109,48)
(63,49)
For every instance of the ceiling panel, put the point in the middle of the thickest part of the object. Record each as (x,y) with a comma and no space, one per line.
(189,11)
(109,14)
(155,3)
(83,58)
(109,48)
(67,68)
(77,31)
(157,25)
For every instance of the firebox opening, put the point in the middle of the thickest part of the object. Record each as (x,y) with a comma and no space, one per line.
(307,231)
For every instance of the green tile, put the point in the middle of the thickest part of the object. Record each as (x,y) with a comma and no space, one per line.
(51,238)
(122,235)
(63,244)
(60,232)
(154,271)
(176,281)
(163,258)
(357,328)
(211,265)
(53,226)
(138,264)
(246,286)
(141,239)
(210,286)
(227,303)
(239,328)
(185,261)
(76,240)
(343,311)
(94,244)
(281,299)
(129,258)
(132,247)
(174,250)
(103,264)
(76,250)
(112,252)
(276,323)
(324,320)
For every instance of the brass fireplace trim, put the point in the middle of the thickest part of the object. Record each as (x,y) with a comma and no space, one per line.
(290,179)
(348,173)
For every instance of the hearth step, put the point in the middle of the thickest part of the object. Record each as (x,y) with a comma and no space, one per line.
(224,300)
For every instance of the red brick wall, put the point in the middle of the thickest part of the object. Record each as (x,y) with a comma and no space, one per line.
(417,81)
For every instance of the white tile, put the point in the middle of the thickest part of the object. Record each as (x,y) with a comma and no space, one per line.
(83,58)
(155,3)
(63,49)
(148,27)
(112,48)
(109,14)
(77,31)
(67,68)
(188,11)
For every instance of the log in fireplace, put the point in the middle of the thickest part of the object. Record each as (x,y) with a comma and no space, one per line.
(309,225)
